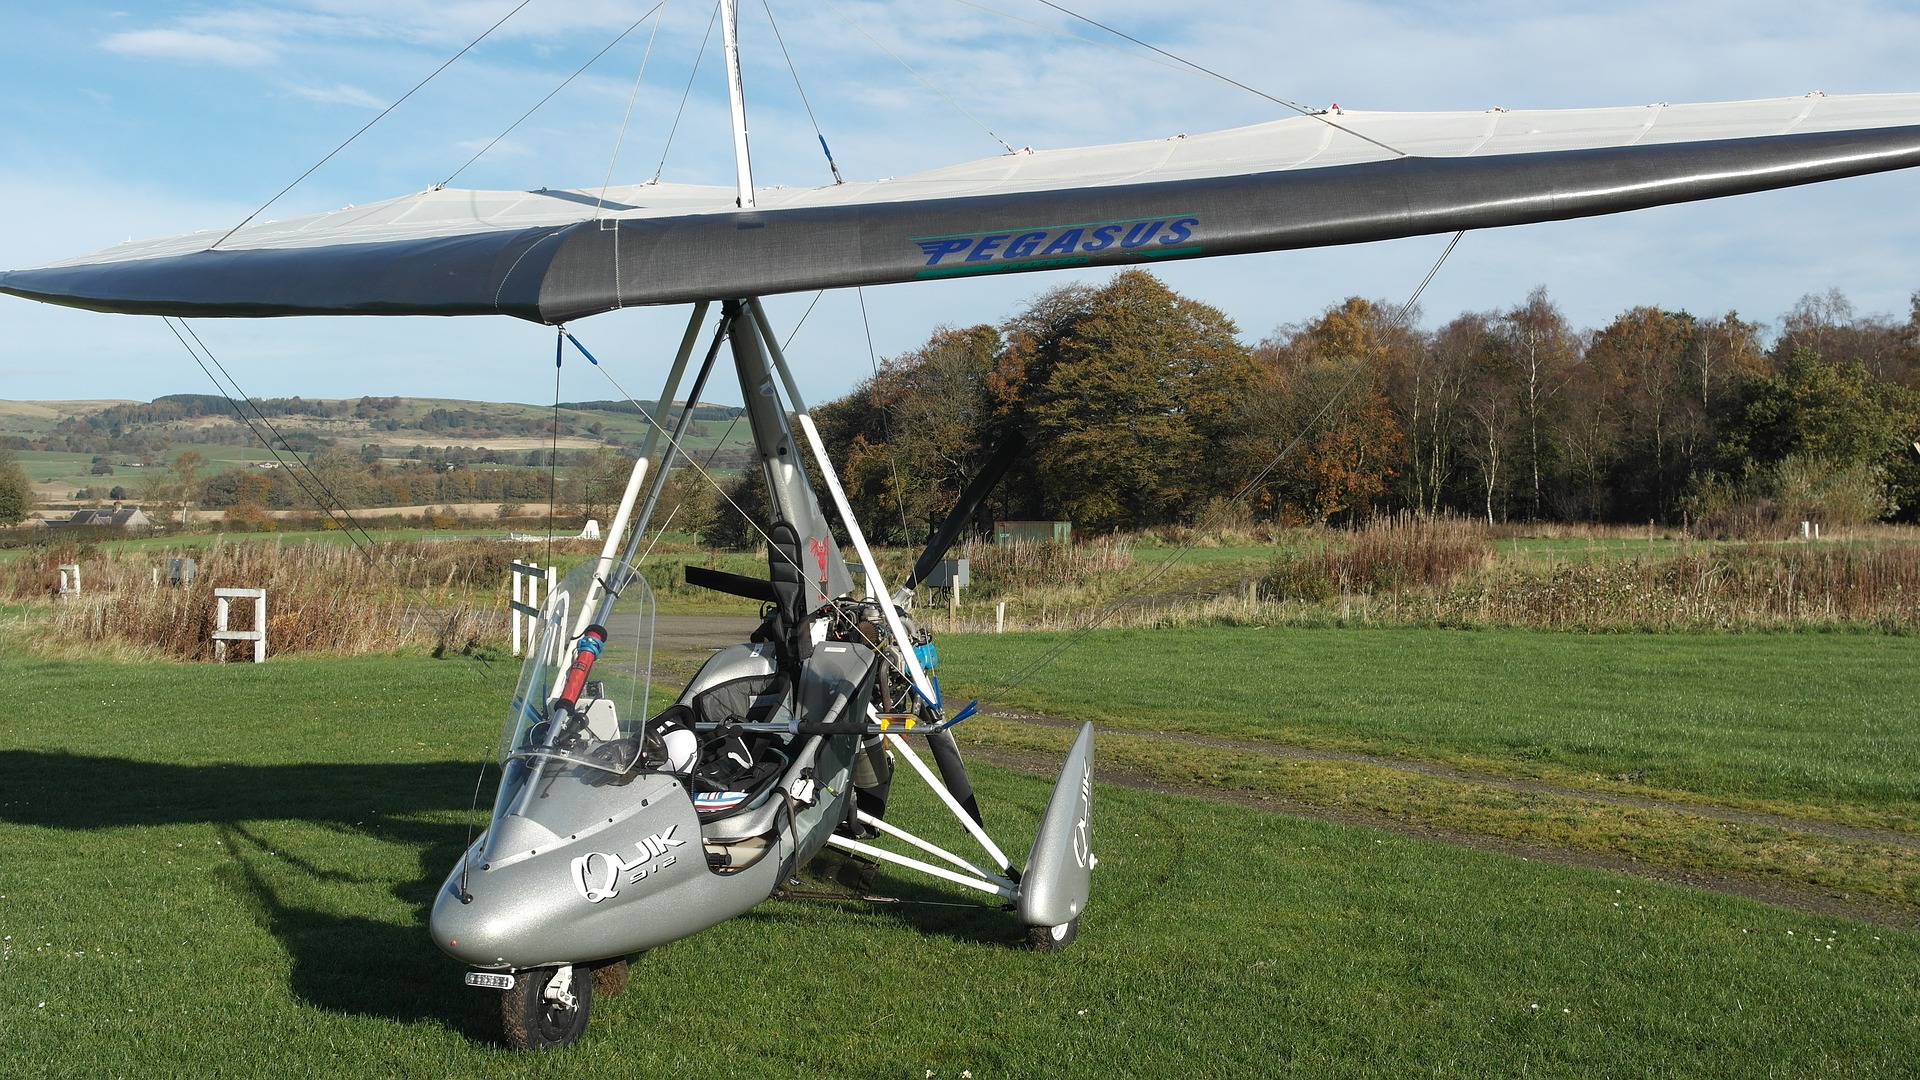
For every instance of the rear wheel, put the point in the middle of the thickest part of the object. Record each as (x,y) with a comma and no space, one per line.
(1052,938)
(545,1009)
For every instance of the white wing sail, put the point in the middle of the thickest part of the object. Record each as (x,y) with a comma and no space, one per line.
(1334,178)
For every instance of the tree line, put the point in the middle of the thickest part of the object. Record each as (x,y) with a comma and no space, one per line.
(1142,407)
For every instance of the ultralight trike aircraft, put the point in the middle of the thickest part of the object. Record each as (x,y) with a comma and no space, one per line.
(619,825)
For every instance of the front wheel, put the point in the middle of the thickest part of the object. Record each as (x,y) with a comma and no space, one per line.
(546,1009)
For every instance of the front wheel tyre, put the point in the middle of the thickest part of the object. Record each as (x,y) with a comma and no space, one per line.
(1052,938)
(535,1019)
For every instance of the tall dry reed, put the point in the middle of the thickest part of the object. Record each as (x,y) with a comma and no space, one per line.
(1757,586)
(1386,555)
(997,568)
(320,597)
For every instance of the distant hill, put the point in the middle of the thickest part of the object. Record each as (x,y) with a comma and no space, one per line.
(76,450)
(135,428)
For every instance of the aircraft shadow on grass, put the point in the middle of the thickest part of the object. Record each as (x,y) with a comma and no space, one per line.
(347,964)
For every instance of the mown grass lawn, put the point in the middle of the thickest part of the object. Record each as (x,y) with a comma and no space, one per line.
(1773,719)
(224,871)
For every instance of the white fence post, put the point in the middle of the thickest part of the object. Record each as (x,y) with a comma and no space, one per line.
(530,610)
(69,579)
(223,601)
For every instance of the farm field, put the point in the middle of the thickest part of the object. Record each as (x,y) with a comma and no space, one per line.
(232,864)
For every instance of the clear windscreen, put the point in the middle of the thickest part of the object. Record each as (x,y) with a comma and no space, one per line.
(602,728)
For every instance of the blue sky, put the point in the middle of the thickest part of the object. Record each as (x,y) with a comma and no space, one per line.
(139,120)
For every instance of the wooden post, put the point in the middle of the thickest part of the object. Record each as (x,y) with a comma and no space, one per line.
(223,601)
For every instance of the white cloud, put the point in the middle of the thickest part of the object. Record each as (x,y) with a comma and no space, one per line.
(189,47)
(339,94)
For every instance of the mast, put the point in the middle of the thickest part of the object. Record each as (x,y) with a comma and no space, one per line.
(737,94)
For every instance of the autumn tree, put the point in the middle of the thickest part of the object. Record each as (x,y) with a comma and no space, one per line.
(1320,410)
(178,485)
(336,479)
(1493,407)
(1826,325)
(1665,434)
(1428,394)
(689,503)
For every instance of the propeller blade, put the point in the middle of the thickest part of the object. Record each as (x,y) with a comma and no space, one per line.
(953,772)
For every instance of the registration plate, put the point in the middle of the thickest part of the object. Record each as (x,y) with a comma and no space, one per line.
(490,980)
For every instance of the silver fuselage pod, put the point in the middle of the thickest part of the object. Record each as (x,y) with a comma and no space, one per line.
(576,868)
(627,873)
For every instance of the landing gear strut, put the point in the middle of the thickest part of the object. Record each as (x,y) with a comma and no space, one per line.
(547,1007)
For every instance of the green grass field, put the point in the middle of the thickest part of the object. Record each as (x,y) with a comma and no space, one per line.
(225,871)
(1815,718)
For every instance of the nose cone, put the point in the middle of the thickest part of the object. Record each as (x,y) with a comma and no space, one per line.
(492,919)
(475,932)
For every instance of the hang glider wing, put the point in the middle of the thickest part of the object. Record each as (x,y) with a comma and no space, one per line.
(554,256)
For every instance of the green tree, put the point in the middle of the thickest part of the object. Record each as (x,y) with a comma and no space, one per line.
(915,432)
(595,482)
(16,489)
(1825,442)
(1122,391)
(1838,412)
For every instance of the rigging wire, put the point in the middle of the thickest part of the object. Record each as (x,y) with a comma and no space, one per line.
(331,505)
(1048,656)
(795,72)
(795,332)
(656,423)
(352,529)
(929,84)
(886,422)
(1069,35)
(621,139)
(363,130)
(1303,110)
(553,453)
(685,94)
(577,72)
(706,475)
(649,418)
